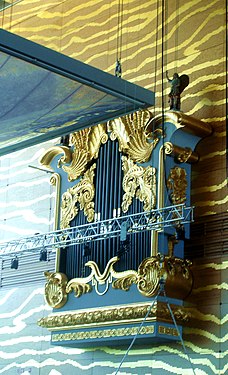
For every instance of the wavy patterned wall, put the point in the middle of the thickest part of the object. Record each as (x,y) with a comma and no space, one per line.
(26,196)
(195,45)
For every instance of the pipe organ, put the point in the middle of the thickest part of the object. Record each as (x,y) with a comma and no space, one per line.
(134,171)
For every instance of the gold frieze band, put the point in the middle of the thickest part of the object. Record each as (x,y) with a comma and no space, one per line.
(114,315)
(106,333)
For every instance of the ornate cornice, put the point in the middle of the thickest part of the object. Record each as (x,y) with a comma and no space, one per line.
(114,315)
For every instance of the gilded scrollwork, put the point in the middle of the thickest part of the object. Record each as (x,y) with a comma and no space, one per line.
(81,285)
(175,271)
(81,194)
(177,184)
(130,131)
(86,144)
(78,288)
(148,276)
(55,289)
(138,182)
(54,151)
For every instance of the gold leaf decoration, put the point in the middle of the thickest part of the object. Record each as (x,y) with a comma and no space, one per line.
(130,131)
(81,285)
(78,288)
(82,194)
(138,182)
(149,276)
(54,151)
(125,282)
(177,184)
(175,271)
(86,144)
(55,289)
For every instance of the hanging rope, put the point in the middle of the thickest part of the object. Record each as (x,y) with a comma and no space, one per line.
(161,292)
(119,38)
(177,34)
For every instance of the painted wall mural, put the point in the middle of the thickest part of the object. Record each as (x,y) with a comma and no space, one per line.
(195,45)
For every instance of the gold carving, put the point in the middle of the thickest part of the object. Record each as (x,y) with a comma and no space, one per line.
(146,279)
(167,331)
(54,151)
(177,183)
(139,182)
(80,285)
(148,276)
(86,144)
(79,288)
(125,282)
(95,334)
(115,315)
(55,289)
(130,132)
(83,194)
(176,271)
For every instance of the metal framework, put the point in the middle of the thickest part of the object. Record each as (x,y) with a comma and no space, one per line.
(156,219)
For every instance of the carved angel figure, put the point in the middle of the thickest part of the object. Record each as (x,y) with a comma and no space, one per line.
(178,84)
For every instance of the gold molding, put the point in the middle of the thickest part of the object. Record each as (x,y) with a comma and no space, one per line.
(138,182)
(131,135)
(177,184)
(115,315)
(82,193)
(95,334)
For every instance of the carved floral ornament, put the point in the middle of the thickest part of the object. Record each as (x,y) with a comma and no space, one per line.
(177,184)
(176,271)
(130,131)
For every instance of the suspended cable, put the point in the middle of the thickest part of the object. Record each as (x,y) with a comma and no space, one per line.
(156,49)
(178,331)
(137,333)
(119,38)
(161,292)
(177,34)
